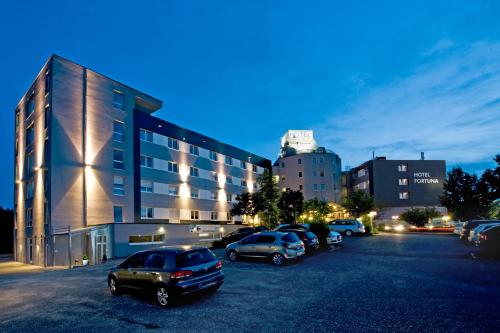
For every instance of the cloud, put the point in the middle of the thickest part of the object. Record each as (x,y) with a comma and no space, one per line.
(449,107)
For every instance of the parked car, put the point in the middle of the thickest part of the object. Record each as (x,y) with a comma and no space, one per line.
(240,234)
(334,238)
(474,234)
(469,225)
(167,273)
(277,246)
(310,240)
(458,228)
(489,240)
(347,227)
(284,227)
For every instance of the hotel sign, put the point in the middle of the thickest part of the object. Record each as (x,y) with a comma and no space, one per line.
(424,178)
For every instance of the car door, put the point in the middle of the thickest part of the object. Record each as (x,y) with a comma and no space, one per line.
(247,246)
(264,245)
(128,270)
(146,276)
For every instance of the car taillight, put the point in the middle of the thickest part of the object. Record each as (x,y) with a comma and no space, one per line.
(181,274)
(218,265)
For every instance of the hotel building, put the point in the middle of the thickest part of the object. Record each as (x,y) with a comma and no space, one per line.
(97,173)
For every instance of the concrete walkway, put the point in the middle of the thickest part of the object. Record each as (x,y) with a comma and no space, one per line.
(10,267)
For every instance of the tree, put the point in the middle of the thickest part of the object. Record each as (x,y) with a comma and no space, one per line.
(359,203)
(247,204)
(290,205)
(317,210)
(269,195)
(419,217)
(489,183)
(464,196)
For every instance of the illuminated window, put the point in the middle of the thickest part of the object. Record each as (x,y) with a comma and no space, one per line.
(403,181)
(146,161)
(118,100)
(173,190)
(30,105)
(228,160)
(212,155)
(194,172)
(118,159)
(147,213)
(193,150)
(118,185)
(117,214)
(243,165)
(195,193)
(146,186)
(145,135)
(214,216)
(173,167)
(29,217)
(117,131)
(173,144)
(48,82)
(195,215)
(404,195)
(403,167)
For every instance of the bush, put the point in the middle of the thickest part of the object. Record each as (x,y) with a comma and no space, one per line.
(321,230)
(218,244)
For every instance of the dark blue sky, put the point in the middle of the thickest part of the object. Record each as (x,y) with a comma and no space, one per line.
(395,77)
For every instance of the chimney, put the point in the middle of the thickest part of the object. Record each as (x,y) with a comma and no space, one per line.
(422,157)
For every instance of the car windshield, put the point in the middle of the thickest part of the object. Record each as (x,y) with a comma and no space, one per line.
(310,235)
(193,258)
(290,238)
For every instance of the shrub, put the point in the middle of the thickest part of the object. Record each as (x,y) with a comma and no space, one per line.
(321,230)
(85,257)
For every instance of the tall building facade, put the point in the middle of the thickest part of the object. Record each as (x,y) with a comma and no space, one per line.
(89,153)
(397,185)
(303,166)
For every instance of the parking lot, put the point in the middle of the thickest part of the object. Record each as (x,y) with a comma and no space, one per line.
(389,282)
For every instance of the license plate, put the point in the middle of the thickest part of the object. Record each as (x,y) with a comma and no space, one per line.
(207,284)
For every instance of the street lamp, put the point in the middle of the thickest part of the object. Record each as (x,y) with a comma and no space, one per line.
(445,219)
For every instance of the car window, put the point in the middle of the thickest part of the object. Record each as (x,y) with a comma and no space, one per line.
(260,228)
(290,238)
(136,261)
(250,239)
(193,258)
(265,239)
(155,260)
(310,235)
(243,230)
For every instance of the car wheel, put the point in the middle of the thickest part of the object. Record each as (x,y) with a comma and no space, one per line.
(232,255)
(113,286)
(278,259)
(162,296)
(316,246)
(348,233)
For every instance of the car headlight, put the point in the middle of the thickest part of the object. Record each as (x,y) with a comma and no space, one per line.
(399,227)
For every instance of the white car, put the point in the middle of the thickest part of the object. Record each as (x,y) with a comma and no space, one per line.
(334,238)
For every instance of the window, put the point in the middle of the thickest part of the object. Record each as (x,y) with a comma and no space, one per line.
(212,155)
(146,161)
(146,186)
(194,172)
(195,193)
(118,214)
(46,117)
(30,136)
(146,213)
(229,197)
(403,181)
(243,165)
(29,217)
(213,216)
(193,150)
(48,82)
(300,174)
(145,135)
(299,161)
(362,172)
(213,195)
(155,260)
(118,159)
(18,115)
(321,160)
(315,173)
(195,215)
(30,189)
(118,186)
(173,167)
(45,213)
(301,187)
(323,187)
(243,183)
(265,239)
(228,216)
(118,100)
(314,160)
(404,195)
(254,168)
(229,180)
(117,131)
(173,190)
(173,144)
(30,105)
(214,176)
(228,160)
(315,187)
(403,167)
(282,164)
(30,163)
(322,174)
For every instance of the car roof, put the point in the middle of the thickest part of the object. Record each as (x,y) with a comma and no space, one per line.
(273,233)
(174,249)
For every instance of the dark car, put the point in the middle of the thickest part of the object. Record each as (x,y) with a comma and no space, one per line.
(309,239)
(240,234)
(286,227)
(489,240)
(470,225)
(167,273)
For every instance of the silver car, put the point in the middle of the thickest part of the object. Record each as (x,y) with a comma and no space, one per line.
(347,227)
(277,246)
